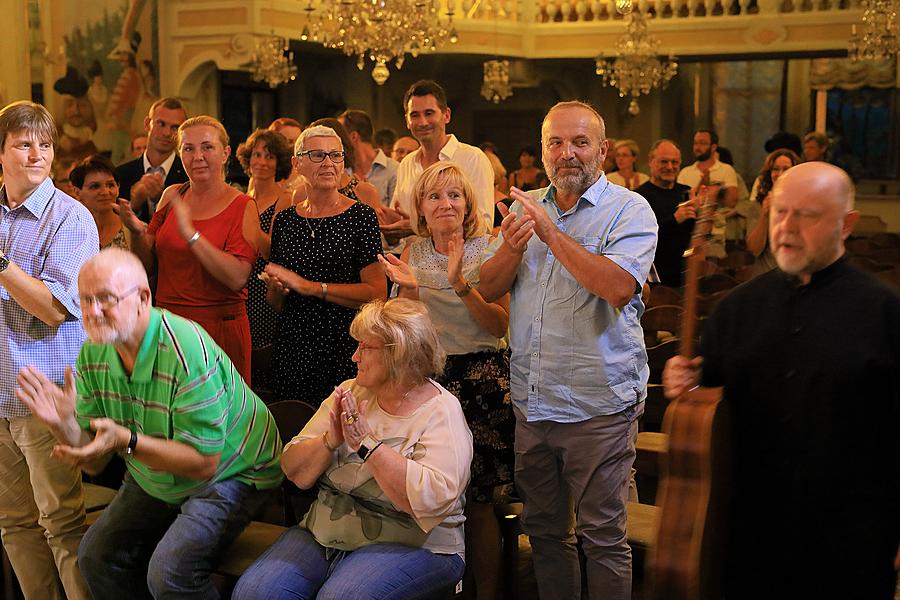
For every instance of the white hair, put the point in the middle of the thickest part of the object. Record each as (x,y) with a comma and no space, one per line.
(315,131)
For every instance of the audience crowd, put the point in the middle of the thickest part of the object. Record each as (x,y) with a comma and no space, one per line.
(466,335)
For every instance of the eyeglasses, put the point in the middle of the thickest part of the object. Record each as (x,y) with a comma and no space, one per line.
(362,346)
(106,301)
(318,156)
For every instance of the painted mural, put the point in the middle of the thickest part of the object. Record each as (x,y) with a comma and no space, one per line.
(110,80)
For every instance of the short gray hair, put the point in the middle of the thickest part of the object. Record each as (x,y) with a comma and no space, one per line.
(315,131)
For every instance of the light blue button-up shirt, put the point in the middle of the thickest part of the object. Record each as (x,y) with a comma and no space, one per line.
(573,355)
(49,236)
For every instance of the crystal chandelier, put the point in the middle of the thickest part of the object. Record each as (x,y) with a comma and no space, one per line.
(636,69)
(268,62)
(878,40)
(380,30)
(495,86)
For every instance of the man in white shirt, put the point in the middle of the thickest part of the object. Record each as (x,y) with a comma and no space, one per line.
(427,116)
(708,170)
(371,163)
(142,180)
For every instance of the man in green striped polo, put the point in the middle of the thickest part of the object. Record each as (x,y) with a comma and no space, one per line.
(202,449)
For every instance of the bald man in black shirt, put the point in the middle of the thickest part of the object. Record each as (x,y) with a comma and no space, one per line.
(809,355)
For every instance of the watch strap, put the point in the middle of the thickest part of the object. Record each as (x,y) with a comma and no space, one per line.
(368,445)
(132,443)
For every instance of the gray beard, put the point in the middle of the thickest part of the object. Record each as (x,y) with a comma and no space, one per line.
(579,182)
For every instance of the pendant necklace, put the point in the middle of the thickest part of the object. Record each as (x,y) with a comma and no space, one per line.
(312,230)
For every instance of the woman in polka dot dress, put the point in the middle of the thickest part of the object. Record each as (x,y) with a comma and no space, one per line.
(323,266)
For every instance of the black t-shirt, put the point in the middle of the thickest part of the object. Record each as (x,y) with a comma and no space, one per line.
(674,237)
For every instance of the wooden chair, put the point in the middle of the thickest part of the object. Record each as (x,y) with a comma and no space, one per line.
(736,259)
(663,295)
(291,416)
(859,246)
(706,304)
(885,256)
(869,225)
(717,282)
(654,409)
(885,240)
(709,268)
(261,370)
(658,355)
(657,321)
(745,274)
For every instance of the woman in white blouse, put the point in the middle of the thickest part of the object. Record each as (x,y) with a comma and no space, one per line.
(390,452)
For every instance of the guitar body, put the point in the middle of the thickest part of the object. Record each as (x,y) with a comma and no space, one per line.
(687,560)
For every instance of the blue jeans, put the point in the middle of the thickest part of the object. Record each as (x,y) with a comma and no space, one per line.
(296,566)
(142,547)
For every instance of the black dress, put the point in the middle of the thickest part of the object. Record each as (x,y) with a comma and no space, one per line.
(260,313)
(313,347)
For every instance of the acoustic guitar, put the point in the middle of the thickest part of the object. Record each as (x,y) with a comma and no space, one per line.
(687,561)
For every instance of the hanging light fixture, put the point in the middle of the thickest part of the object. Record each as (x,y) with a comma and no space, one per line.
(268,62)
(635,70)
(380,31)
(878,39)
(495,87)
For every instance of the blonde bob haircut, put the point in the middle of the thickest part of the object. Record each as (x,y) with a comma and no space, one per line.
(412,351)
(439,176)
(207,121)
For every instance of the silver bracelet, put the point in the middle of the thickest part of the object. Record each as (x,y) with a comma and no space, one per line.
(194,238)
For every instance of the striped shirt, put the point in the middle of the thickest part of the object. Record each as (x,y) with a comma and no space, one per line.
(183,387)
(49,236)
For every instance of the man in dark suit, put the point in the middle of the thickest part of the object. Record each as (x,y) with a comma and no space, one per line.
(142,180)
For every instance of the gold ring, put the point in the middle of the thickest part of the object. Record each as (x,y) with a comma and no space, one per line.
(351,418)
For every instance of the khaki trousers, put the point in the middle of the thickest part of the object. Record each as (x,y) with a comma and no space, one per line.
(41,512)
(574,479)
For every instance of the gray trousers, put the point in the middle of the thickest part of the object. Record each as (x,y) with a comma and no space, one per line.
(573,478)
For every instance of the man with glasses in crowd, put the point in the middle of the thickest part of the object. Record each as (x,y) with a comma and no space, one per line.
(202,450)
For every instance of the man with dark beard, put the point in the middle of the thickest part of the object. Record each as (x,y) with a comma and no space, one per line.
(708,170)
(578,367)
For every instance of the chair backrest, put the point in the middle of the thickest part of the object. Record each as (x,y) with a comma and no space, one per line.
(291,416)
(716,282)
(705,304)
(662,318)
(663,295)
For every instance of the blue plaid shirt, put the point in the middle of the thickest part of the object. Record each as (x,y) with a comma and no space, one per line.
(49,236)
(574,356)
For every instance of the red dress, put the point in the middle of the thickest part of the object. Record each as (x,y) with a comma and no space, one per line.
(187,289)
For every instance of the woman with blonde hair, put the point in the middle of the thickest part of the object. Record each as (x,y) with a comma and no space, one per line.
(390,452)
(626,153)
(442,269)
(202,242)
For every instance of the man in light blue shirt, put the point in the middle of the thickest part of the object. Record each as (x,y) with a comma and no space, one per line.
(579,367)
(371,163)
(45,237)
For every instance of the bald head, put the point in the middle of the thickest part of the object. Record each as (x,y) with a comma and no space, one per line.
(828,183)
(599,125)
(119,265)
(664,162)
(811,215)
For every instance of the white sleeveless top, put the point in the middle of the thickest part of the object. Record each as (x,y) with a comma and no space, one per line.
(458,331)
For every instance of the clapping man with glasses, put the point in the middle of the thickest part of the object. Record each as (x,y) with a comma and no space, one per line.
(201,448)
(45,236)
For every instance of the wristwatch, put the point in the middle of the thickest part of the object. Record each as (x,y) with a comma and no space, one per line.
(368,445)
(4,262)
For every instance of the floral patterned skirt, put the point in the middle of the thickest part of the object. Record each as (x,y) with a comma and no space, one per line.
(481,382)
